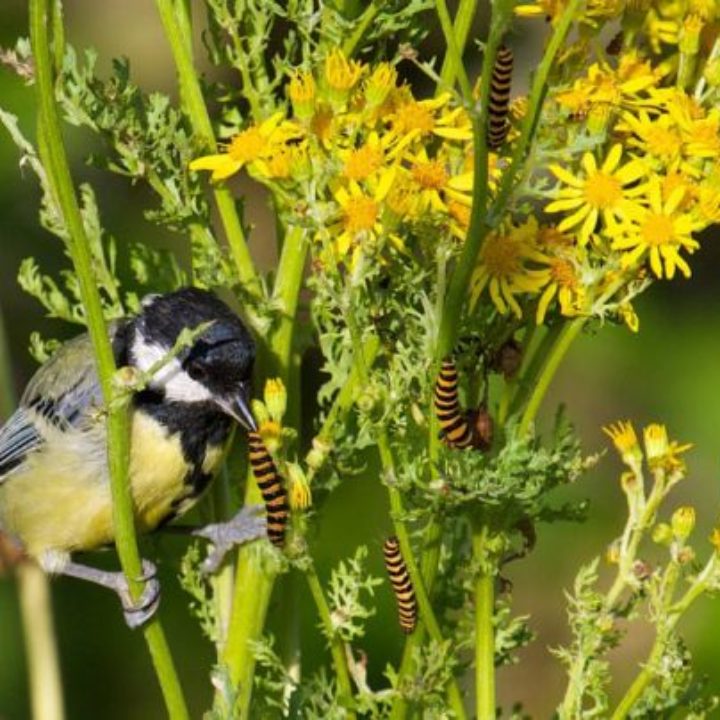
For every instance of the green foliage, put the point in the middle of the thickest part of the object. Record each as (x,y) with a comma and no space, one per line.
(349,590)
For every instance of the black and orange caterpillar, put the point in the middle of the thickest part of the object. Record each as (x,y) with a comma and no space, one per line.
(500,82)
(272,489)
(401,585)
(454,425)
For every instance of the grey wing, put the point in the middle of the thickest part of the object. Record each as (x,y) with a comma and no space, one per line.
(62,393)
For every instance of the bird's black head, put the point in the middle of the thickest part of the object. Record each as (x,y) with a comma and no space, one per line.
(217,368)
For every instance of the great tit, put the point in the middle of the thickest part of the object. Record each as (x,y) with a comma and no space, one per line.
(54,480)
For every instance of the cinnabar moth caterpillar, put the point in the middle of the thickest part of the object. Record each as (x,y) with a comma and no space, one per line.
(401,585)
(499,98)
(271,487)
(454,425)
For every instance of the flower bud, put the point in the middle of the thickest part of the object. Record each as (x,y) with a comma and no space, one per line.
(318,453)
(302,95)
(612,554)
(300,494)
(683,522)
(662,534)
(275,398)
(715,539)
(626,443)
(685,555)
(259,411)
(689,41)
(379,84)
(270,432)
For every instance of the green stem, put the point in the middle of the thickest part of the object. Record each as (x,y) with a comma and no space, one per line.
(337,646)
(176,25)
(454,53)
(484,632)
(250,610)
(285,296)
(253,587)
(427,615)
(461,29)
(60,181)
(565,338)
(363,23)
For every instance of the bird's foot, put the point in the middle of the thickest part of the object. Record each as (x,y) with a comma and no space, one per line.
(248,524)
(136,612)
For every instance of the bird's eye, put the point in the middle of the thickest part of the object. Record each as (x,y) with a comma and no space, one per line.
(197,371)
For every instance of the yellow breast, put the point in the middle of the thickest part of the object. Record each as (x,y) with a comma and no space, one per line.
(60,499)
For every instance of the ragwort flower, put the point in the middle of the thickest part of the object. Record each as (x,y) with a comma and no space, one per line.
(256,143)
(659,231)
(596,193)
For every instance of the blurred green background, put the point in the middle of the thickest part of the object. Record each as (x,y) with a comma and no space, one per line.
(669,372)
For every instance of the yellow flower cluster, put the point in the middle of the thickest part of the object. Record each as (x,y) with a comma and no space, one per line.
(635,161)
(370,155)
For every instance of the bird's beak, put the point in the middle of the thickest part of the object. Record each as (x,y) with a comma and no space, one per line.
(238,407)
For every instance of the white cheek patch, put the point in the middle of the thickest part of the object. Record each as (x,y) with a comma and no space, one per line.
(176,383)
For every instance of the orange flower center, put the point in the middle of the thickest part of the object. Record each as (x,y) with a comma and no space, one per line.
(247,145)
(502,255)
(430,175)
(602,191)
(360,214)
(413,116)
(662,142)
(658,230)
(363,162)
(563,273)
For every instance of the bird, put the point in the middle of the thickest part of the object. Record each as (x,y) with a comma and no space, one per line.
(55,497)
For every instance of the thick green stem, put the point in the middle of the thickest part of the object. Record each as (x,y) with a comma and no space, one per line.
(461,29)
(565,338)
(61,185)
(337,646)
(484,632)
(250,609)
(176,25)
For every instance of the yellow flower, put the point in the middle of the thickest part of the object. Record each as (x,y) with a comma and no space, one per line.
(503,267)
(434,184)
(300,494)
(683,522)
(707,209)
(412,119)
(341,75)
(594,194)
(562,281)
(661,452)
(361,213)
(702,136)
(257,143)
(302,95)
(275,397)
(626,443)
(659,137)
(271,433)
(548,9)
(379,84)
(659,231)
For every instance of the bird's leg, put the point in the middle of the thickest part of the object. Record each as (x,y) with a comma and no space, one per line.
(137,612)
(247,525)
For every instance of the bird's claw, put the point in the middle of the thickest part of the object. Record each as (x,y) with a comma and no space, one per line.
(248,524)
(138,612)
